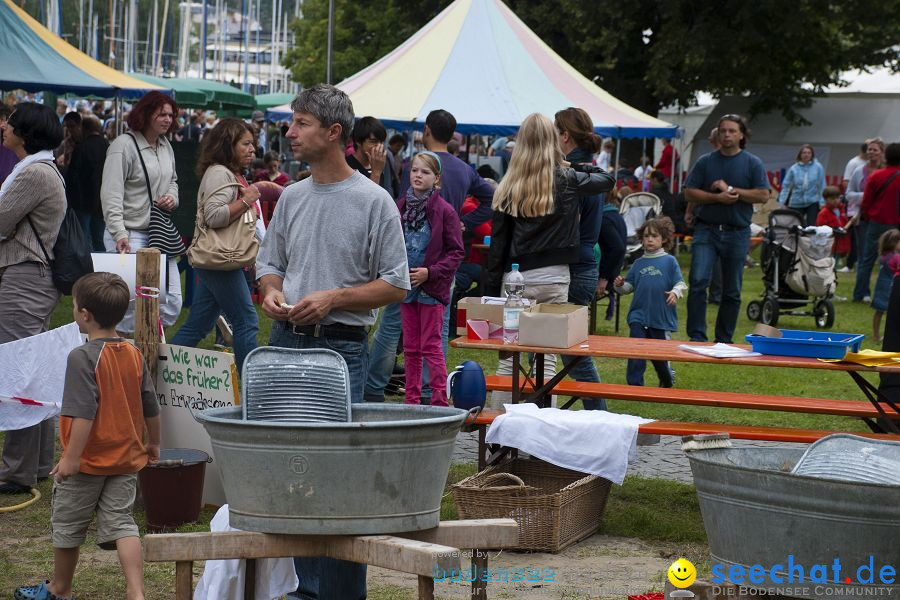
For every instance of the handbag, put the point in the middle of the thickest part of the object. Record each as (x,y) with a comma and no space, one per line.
(223,248)
(161,234)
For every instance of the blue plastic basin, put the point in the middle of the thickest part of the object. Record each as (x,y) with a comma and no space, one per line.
(814,344)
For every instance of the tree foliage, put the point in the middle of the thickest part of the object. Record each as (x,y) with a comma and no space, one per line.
(648,53)
(779,54)
(365,30)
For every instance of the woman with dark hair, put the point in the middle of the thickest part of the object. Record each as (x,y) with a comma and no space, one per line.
(132,158)
(223,197)
(83,180)
(71,136)
(32,207)
(579,143)
(803,184)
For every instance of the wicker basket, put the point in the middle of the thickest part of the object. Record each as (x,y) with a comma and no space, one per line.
(554,507)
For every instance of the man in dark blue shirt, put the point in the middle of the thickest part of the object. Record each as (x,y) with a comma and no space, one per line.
(723,185)
(458,180)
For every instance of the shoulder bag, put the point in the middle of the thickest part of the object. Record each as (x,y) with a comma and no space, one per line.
(161,234)
(223,248)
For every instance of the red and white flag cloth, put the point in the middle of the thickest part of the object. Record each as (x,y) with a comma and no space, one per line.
(32,374)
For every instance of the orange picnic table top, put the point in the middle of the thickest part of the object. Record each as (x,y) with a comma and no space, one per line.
(603,346)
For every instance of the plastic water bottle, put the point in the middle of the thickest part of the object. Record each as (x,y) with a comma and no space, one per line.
(515,288)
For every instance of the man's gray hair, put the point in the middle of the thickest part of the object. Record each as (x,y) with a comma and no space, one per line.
(327,104)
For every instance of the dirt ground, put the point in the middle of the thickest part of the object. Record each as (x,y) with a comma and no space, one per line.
(598,567)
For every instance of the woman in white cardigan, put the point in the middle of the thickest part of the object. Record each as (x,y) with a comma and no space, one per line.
(124,196)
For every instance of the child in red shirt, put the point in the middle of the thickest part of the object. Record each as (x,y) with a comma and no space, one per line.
(834,215)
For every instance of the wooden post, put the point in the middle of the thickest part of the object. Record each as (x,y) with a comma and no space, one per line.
(426,588)
(184,579)
(250,579)
(479,567)
(146,307)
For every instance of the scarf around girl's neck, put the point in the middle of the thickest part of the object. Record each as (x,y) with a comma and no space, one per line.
(414,211)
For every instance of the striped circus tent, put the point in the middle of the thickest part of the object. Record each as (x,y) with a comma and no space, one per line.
(36,60)
(479,61)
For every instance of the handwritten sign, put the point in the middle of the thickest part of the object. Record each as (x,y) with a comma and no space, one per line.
(193,379)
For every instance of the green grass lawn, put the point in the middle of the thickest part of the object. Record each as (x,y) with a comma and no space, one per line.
(652,510)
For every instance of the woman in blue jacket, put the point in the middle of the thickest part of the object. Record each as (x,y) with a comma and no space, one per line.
(802,187)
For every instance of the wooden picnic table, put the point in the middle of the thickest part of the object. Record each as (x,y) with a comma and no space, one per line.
(881,416)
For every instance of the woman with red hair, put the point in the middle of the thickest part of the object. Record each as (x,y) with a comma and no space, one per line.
(141,154)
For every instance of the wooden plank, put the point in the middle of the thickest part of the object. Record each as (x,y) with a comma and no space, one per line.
(472,533)
(621,347)
(426,588)
(390,552)
(749,432)
(824,406)
(184,579)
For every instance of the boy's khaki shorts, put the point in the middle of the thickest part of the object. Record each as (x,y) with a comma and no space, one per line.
(76,499)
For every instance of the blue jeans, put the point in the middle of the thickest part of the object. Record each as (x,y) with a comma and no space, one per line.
(383,353)
(634,374)
(729,247)
(356,354)
(321,577)
(868,254)
(220,292)
(582,287)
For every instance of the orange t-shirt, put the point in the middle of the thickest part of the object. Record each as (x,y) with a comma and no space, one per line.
(107,382)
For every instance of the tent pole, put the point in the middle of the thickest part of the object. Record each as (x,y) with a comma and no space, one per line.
(680,156)
(330,41)
(618,151)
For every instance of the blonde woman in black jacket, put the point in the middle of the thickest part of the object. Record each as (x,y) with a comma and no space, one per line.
(536,208)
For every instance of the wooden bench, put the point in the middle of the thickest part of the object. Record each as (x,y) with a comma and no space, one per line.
(423,553)
(825,406)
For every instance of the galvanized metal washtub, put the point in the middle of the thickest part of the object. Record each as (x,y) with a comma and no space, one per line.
(383,472)
(757,513)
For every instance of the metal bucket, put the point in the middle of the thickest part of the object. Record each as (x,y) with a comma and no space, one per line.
(757,513)
(384,472)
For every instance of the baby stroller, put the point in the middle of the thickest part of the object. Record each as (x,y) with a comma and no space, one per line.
(798,269)
(636,209)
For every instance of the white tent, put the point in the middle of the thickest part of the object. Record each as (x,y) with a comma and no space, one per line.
(841,121)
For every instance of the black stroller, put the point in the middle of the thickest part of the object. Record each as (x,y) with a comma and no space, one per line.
(798,270)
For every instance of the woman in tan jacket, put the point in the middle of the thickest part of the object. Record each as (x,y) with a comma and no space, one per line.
(32,204)
(224,197)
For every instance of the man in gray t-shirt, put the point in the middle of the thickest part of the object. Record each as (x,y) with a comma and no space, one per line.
(333,254)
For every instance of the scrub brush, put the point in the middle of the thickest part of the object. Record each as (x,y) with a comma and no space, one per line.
(705,441)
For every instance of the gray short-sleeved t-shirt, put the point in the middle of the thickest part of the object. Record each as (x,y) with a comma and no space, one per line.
(337,235)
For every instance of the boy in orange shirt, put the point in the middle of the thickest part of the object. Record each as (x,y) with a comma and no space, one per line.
(108,401)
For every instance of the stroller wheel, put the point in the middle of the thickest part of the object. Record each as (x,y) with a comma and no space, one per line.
(823,310)
(769,313)
(754,307)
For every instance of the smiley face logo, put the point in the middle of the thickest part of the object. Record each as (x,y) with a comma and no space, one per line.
(682,573)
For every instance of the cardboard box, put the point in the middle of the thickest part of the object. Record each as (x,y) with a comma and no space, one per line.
(553,325)
(471,309)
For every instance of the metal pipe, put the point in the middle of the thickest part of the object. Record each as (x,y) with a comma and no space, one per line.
(330,41)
